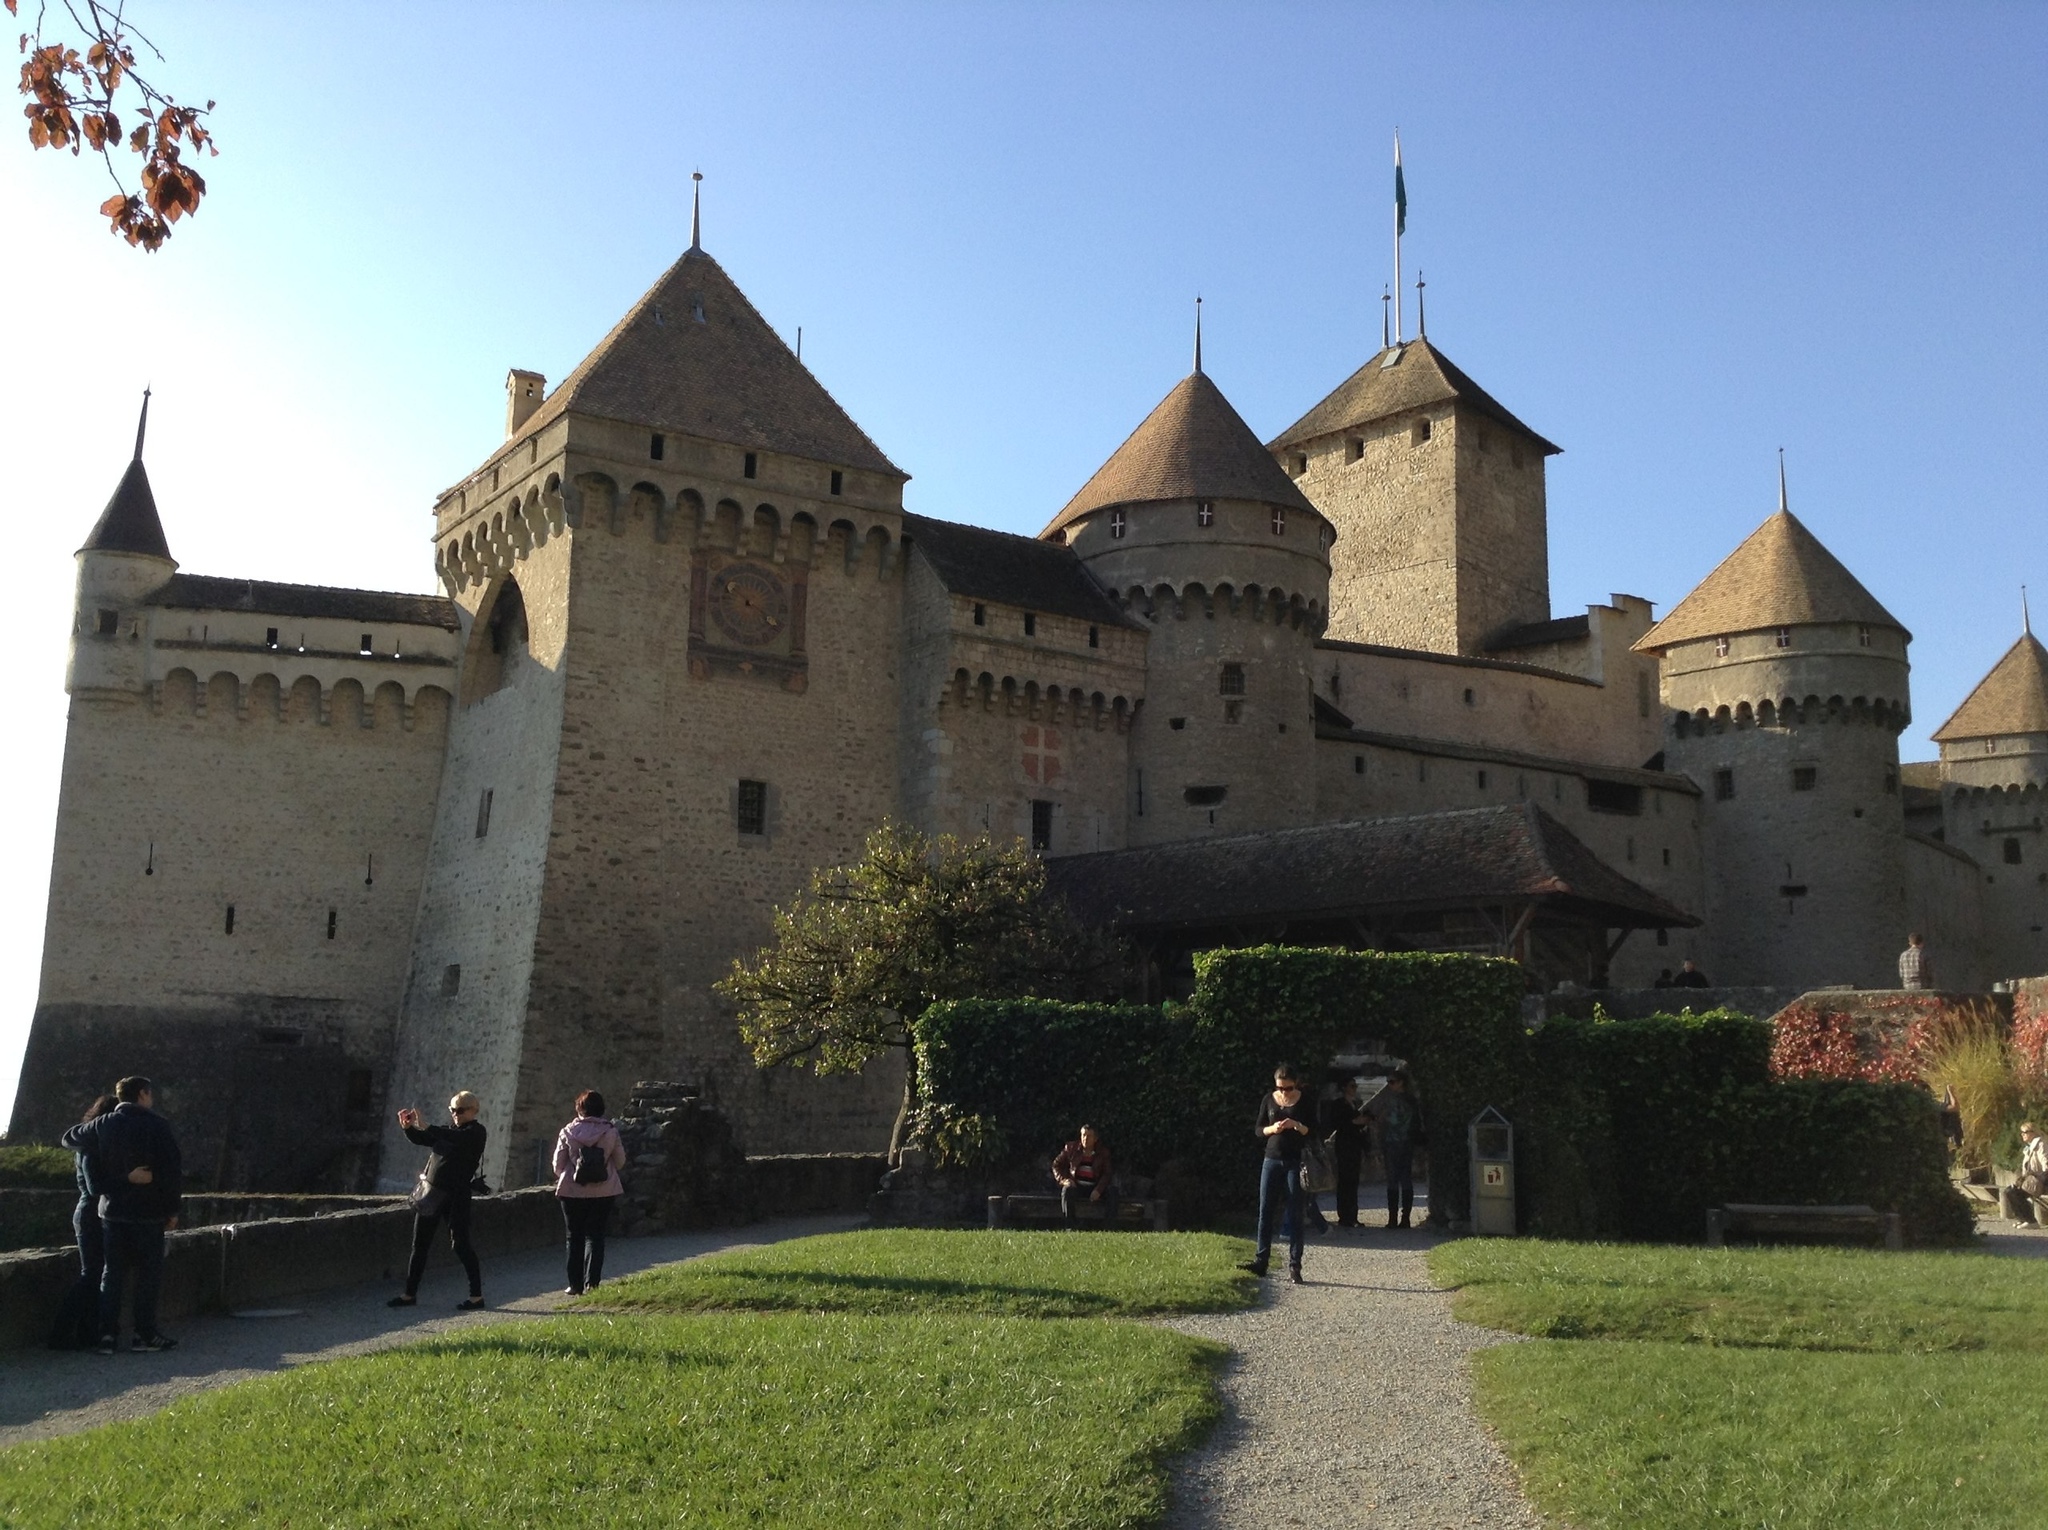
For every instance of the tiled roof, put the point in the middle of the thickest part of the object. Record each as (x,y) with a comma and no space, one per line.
(1486,754)
(200,592)
(1417,376)
(2013,698)
(1455,660)
(1192,446)
(1018,571)
(725,376)
(129,524)
(1780,576)
(1921,774)
(1561,629)
(1473,856)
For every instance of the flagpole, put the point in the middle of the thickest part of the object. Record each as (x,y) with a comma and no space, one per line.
(1398,303)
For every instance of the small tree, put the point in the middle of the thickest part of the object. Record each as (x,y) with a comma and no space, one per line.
(866,948)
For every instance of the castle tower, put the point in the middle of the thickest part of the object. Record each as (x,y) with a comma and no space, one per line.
(1785,684)
(679,579)
(1436,493)
(1994,769)
(124,559)
(1198,532)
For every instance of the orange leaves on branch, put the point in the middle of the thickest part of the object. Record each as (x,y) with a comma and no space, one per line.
(71,106)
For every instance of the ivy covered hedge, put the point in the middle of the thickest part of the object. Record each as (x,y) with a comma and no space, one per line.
(1635,1127)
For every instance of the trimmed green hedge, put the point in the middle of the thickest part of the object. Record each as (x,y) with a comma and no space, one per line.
(1633,1128)
(32,1166)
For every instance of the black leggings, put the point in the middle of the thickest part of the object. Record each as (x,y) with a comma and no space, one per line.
(455,1211)
(585,1217)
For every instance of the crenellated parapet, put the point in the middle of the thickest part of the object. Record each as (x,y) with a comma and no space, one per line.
(279,696)
(1794,712)
(1300,611)
(1070,706)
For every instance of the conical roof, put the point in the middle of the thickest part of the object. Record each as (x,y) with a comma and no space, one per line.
(1193,446)
(129,524)
(694,356)
(2013,698)
(1780,576)
(1411,375)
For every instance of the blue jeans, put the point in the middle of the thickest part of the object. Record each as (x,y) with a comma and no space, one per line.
(140,1244)
(1280,1191)
(78,1320)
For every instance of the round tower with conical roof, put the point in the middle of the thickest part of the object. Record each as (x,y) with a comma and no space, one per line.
(1994,777)
(123,560)
(1195,529)
(1785,687)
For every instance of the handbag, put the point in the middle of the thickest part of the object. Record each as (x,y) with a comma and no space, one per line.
(2033,1183)
(1318,1172)
(427,1198)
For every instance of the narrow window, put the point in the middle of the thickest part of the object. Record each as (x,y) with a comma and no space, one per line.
(367,646)
(230,927)
(1419,433)
(1141,794)
(356,1092)
(1805,777)
(753,807)
(1094,637)
(1891,781)
(1482,780)
(748,469)
(1232,681)
(109,622)
(1642,693)
(1041,825)
(1720,648)
(270,637)
(1667,856)
(1863,637)
(1116,522)
(483,813)
(1205,512)
(1724,785)
(656,446)
(332,919)
(980,614)
(451,980)
(1630,851)
(1422,770)
(2012,852)
(1470,699)
(1358,764)
(1354,450)
(1299,463)
(838,481)
(1031,624)
(1784,637)
(1279,522)
(1176,723)
(1663,937)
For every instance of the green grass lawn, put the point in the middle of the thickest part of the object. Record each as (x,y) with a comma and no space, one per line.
(1013,1274)
(1789,1388)
(939,1407)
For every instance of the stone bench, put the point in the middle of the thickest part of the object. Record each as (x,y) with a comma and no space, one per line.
(1134,1212)
(1804,1222)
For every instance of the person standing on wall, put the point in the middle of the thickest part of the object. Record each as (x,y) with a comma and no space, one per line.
(588,1157)
(1346,1124)
(443,1194)
(1400,1129)
(1285,1122)
(137,1178)
(1916,966)
(78,1319)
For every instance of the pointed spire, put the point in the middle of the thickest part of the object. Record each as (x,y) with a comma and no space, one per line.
(142,424)
(1784,504)
(1198,332)
(130,523)
(697,209)
(1421,319)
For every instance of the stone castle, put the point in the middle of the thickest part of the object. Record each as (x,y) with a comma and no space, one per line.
(323,852)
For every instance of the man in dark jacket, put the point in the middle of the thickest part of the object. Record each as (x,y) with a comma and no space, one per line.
(1346,1124)
(133,1167)
(443,1193)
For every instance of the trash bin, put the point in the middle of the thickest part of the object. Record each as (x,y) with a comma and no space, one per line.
(1490,1141)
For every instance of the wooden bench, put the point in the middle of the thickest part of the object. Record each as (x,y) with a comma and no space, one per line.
(1136,1212)
(1803,1221)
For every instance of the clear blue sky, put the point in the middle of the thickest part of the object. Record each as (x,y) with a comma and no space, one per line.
(1671,238)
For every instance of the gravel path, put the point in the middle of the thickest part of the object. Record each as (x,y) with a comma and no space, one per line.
(44,1393)
(1348,1401)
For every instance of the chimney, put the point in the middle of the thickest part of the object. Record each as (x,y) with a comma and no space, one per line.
(523,393)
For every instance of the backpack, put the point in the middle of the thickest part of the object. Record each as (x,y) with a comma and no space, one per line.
(591,1168)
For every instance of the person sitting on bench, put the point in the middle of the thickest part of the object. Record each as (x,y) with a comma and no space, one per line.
(1083,1170)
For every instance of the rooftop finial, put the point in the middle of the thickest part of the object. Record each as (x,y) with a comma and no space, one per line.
(142,424)
(1386,334)
(697,210)
(1784,505)
(1198,332)
(1421,319)
(2026,617)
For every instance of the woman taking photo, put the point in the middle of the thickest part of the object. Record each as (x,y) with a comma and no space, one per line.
(588,1157)
(1284,1123)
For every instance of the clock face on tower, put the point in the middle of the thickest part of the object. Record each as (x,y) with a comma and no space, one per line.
(749,605)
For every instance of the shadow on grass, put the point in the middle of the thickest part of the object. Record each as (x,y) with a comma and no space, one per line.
(827,1290)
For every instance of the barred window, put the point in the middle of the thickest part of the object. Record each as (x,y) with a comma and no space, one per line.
(1232,683)
(753,807)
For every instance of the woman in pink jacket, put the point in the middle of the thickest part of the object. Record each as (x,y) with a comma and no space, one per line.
(588,1157)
